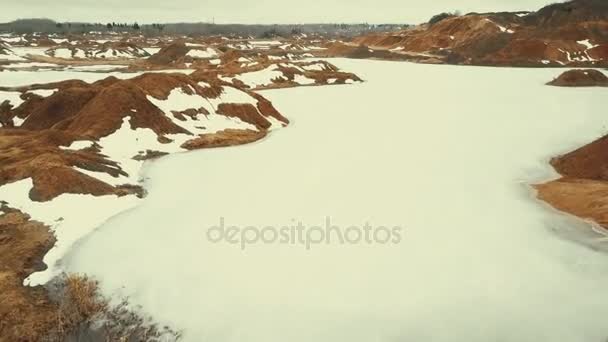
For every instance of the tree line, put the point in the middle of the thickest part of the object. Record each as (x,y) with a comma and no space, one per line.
(47,26)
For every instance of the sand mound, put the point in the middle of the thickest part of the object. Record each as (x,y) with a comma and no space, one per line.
(581,78)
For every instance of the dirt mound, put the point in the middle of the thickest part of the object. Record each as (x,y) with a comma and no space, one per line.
(572,33)
(225,138)
(574,11)
(589,161)
(581,78)
(120,50)
(270,74)
(94,50)
(91,112)
(231,55)
(70,308)
(26,314)
(169,54)
(37,155)
(583,190)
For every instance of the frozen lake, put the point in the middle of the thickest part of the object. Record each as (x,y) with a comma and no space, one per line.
(443,152)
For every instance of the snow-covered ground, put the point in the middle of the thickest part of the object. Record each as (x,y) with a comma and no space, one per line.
(87,74)
(444,152)
(72,217)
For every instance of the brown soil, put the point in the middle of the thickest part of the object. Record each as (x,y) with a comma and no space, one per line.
(25,154)
(585,198)
(583,190)
(225,138)
(289,70)
(524,41)
(581,78)
(148,155)
(91,111)
(65,310)
(587,162)
(83,111)
(169,54)
(26,314)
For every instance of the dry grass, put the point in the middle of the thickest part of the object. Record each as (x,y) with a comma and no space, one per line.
(79,304)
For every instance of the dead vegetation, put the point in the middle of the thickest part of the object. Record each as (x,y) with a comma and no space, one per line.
(69,308)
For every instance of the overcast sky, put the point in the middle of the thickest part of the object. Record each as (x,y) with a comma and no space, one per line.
(252,11)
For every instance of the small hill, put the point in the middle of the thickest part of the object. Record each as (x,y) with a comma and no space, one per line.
(581,78)
(563,34)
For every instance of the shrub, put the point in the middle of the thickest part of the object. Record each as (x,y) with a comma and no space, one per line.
(441,16)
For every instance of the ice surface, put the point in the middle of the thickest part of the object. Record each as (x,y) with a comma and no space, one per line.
(446,154)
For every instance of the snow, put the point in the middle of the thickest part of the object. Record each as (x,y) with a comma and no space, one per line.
(151,50)
(208,53)
(303,80)
(17,121)
(265,42)
(32,65)
(260,78)
(13,39)
(179,101)
(587,43)
(63,53)
(315,67)
(23,78)
(14,97)
(204,84)
(10,56)
(78,145)
(577,56)
(25,51)
(69,223)
(43,92)
(115,54)
(79,53)
(480,259)
(98,67)
(501,28)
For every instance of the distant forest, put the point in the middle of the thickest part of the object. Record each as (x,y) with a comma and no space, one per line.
(25,26)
